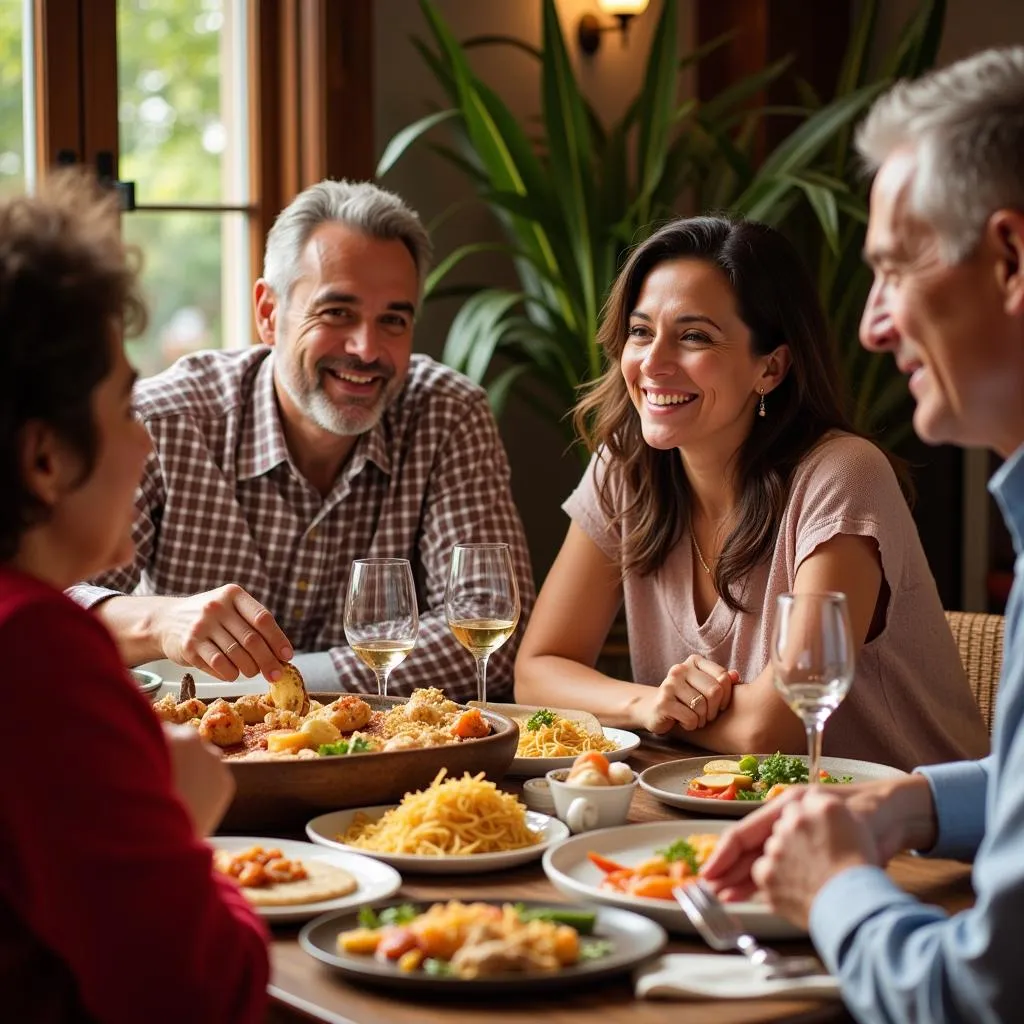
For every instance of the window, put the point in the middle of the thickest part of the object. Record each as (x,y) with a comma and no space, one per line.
(215,111)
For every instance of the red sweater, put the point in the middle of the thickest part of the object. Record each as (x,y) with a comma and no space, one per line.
(109,909)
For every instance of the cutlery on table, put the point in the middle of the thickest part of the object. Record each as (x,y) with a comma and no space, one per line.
(721,930)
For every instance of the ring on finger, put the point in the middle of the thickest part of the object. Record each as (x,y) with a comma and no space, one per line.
(694,701)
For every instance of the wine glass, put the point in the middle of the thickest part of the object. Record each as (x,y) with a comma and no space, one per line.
(381,615)
(812,661)
(481,602)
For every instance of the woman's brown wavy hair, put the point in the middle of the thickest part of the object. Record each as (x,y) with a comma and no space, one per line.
(777,301)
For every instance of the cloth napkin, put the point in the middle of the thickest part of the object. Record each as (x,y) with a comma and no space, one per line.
(709,976)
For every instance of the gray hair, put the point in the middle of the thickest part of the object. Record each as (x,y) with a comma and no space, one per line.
(965,123)
(360,205)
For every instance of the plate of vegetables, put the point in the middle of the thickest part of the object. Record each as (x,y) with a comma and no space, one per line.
(634,867)
(734,786)
(483,946)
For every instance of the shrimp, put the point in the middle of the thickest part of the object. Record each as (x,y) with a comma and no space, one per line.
(222,725)
(347,713)
(253,707)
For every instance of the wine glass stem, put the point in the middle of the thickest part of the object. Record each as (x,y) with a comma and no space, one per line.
(382,682)
(815,730)
(481,679)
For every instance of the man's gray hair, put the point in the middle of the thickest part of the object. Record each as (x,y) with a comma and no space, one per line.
(359,205)
(965,123)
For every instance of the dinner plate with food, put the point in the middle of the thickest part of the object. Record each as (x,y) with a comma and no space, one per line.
(734,786)
(486,947)
(635,867)
(454,826)
(288,881)
(551,738)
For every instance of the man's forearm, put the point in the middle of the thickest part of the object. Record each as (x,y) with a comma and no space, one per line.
(131,621)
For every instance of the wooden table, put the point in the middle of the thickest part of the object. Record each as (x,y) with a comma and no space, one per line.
(302,989)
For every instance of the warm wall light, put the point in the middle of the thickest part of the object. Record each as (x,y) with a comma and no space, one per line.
(589,29)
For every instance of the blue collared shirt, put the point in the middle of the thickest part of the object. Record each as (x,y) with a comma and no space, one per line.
(900,960)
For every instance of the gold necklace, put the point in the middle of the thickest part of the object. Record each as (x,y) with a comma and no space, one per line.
(696,547)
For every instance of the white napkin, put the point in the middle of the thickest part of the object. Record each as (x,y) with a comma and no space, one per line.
(707,976)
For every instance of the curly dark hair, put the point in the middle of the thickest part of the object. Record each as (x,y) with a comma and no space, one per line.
(67,281)
(777,300)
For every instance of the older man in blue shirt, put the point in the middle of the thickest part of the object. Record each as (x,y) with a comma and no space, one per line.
(946,242)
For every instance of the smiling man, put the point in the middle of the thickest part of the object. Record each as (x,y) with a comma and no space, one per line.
(275,466)
(946,242)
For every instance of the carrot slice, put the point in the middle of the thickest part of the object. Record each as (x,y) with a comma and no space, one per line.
(606,865)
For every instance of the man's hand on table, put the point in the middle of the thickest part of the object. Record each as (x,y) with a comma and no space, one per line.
(225,632)
(794,844)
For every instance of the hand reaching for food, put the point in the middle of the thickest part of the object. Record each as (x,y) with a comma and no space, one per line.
(225,632)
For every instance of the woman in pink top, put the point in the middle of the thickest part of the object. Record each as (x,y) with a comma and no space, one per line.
(724,474)
(109,908)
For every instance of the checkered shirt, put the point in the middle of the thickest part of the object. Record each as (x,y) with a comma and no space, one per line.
(221,501)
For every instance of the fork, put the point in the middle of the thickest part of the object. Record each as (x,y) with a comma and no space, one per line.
(721,930)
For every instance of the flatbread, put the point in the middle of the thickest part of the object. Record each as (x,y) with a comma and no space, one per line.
(521,713)
(324,882)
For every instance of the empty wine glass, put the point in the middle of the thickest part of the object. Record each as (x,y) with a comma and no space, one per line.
(481,602)
(812,661)
(381,616)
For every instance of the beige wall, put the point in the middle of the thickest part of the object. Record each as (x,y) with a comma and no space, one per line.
(543,473)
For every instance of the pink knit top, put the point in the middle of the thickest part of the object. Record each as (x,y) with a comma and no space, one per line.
(910,702)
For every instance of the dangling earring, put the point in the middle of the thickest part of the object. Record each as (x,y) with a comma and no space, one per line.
(760,408)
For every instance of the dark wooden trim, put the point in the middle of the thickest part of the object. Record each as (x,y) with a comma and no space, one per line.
(347,90)
(100,130)
(58,73)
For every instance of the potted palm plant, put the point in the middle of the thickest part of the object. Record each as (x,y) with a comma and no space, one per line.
(572,203)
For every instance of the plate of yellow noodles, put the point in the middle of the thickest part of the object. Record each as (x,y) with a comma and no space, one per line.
(547,740)
(463,825)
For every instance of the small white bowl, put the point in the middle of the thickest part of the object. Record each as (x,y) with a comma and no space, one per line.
(149,682)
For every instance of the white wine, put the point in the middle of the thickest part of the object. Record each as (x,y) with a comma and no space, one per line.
(383,655)
(812,699)
(482,636)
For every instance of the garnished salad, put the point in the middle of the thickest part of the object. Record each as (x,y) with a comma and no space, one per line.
(755,778)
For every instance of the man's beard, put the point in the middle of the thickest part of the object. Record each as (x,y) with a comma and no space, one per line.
(343,421)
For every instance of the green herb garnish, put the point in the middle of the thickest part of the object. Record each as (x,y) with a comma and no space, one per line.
(540,718)
(438,968)
(594,949)
(356,745)
(680,850)
(779,767)
(368,918)
(403,913)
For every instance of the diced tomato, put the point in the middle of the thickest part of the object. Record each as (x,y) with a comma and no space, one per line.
(395,942)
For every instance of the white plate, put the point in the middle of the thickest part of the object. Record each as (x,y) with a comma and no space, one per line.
(634,939)
(535,766)
(324,829)
(571,872)
(669,781)
(376,881)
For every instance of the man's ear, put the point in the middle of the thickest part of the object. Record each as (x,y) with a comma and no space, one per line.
(265,307)
(44,462)
(776,368)
(1006,234)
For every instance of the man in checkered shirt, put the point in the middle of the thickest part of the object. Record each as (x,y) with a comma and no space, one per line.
(277,465)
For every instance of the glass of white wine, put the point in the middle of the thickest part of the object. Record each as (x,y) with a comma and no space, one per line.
(481,602)
(381,616)
(812,661)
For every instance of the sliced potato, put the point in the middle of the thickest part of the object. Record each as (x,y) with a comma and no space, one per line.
(721,766)
(286,741)
(724,780)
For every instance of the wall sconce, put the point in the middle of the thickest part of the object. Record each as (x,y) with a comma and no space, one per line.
(589,29)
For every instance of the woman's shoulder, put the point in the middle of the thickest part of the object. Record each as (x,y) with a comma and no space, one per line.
(847,460)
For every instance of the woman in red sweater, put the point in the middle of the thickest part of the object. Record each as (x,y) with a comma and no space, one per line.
(109,908)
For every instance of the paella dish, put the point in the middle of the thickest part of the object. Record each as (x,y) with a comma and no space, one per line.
(286,724)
